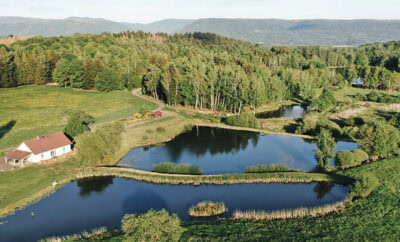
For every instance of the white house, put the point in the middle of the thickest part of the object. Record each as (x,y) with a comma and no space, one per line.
(40,148)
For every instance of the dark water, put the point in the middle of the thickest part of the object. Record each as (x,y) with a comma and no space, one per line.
(96,202)
(289,111)
(220,151)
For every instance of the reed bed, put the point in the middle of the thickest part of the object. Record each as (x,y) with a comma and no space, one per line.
(290,213)
(78,236)
(172,168)
(207,209)
(268,168)
(246,178)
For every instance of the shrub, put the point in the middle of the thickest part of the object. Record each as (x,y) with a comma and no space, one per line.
(207,209)
(144,109)
(94,148)
(245,120)
(78,123)
(160,130)
(327,124)
(308,124)
(188,127)
(149,131)
(360,156)
(365,184)
(145,137)
(350,132)
(344,159)
(172,168)
(152,226)
(268,168)
(137,116)
(373,96)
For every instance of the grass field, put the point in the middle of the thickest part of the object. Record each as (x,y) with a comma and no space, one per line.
(26,112)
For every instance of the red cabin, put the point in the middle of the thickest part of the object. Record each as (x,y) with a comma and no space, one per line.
(156,114)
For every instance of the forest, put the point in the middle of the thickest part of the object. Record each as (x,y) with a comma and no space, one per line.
(202,70)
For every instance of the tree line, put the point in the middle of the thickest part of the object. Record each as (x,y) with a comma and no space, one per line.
(202,70)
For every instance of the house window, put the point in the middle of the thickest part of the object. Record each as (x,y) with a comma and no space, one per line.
(52,153)
(63,149)
(42,156)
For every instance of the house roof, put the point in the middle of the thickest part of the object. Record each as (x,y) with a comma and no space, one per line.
(49,142)
(157,113)
(18,155)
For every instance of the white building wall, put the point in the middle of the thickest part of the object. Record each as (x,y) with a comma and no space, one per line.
(24,147)
(47,155)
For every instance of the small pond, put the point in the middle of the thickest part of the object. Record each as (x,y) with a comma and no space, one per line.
(287,111)
(102,201)
(221,151)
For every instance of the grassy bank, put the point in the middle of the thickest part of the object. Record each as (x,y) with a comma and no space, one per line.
(172,168)
(30,111)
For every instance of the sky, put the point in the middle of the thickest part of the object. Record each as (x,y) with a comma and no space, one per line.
(145,11)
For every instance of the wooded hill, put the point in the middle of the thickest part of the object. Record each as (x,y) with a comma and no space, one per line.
(267,32)
(203,70)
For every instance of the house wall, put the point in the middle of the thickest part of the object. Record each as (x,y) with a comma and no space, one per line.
(24,147)
(47,155)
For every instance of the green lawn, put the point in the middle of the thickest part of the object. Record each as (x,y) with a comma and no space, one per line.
(26,112)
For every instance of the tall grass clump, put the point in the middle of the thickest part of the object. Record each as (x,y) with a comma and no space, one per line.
(78,236)
(160,130)
(172,168)
(207,209)
(268,168)
(289,213)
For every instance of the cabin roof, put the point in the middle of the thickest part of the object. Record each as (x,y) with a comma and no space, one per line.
(48,142)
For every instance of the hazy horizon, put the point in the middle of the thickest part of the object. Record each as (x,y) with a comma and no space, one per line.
(136,11)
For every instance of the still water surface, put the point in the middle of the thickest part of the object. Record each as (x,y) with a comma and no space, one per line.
(102,201)
(221,151)
(288,111)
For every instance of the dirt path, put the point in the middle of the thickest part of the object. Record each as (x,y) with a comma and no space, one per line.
(137,93)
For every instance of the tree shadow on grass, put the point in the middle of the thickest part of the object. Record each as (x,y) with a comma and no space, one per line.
(7,128)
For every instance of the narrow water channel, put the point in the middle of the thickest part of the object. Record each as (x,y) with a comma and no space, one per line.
(95,202)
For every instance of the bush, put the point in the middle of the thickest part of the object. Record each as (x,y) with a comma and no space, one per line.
(95,148)
(327,124)
(172,168)
(268,168)
(145,137)
(152,226)
(365,184)
(137,116)
(245,120)
(149,131)
(160,130)
(360,156)
(373,96)
(144,109)
(344,159)
(188,127)
(325,102)
(207,209)
(78,123)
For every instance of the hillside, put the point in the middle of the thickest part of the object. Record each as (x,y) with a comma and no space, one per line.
(69,26)
(300,32)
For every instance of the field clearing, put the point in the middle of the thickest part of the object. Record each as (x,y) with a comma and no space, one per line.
(26,112)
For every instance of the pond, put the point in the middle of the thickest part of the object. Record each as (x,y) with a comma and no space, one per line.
(287,111)
(102,201)
(221,151)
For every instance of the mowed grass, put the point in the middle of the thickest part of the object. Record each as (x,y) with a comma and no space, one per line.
(40,110)
(376,217)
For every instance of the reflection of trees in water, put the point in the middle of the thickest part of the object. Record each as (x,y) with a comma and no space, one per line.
(142,200)
(323,188)
(201,140)
(93,184)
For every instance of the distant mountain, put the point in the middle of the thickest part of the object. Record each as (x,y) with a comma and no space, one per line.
(262,31)
(73,25)
(300,32)
(167,26)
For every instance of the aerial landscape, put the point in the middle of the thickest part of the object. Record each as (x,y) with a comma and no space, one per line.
(178,120)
